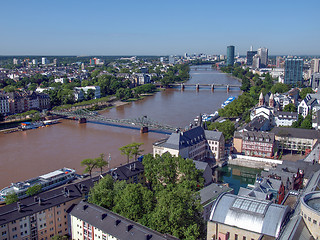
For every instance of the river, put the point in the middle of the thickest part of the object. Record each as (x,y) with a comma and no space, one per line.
(28,154)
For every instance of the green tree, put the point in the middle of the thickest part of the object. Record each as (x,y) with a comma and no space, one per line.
(102,193)
(307,122)
(136,149)
(290,108)
(178,212)
(227,128)
(303,93)
(297,124)
(280,88)
(127,151)
(134,202)
(11,198)
(34,190)
(90,164)
(100,162)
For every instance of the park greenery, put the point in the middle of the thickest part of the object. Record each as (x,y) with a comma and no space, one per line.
(176,73)
(168,204)
(131,150)
(92,163)
(226,127)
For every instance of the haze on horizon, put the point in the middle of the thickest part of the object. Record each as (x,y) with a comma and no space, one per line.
(165,27)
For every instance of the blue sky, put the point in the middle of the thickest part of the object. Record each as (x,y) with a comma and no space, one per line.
(127,27)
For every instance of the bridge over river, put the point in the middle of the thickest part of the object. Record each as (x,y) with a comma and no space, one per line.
(197,86)
(144,123)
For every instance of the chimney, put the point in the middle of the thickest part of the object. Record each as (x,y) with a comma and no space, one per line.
(85,207)
(129,227)
(39,201)
(148,237)
(118,221)
(103,216)
(19,206)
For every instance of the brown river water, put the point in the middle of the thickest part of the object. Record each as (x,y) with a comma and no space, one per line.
(31,153)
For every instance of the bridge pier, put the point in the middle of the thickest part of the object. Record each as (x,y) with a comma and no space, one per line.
(144,130)
(197,87)
(82,120)
(228,88)
(182,87)
(212,88)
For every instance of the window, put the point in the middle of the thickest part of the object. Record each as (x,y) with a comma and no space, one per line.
(236,237)
(309,219)
(314,221)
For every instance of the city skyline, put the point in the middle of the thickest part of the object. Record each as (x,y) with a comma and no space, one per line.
(158,28)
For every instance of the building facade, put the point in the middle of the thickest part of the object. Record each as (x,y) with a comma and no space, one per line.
(250,55)
(195,143)
(89,221)
(293,71)
(230,55)
(263,53)
(250,143)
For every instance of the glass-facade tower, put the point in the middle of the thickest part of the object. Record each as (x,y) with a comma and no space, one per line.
(230,55)
(293,71)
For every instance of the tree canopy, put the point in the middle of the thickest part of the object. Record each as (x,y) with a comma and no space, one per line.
(170,204)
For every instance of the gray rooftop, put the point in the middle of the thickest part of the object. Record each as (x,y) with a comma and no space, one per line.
(211,192)
(262,217)
(30,205)
(201,165)
(296,133)
(114,224)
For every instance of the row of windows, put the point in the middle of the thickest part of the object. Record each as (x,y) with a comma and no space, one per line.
(309,219)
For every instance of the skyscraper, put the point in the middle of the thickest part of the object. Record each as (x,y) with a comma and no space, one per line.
(263,53)
(293,70)
(230,55)
(315,65)
(250,55)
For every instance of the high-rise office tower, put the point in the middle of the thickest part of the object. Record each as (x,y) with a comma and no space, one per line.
(230,55)
(293,71)
(256,61)
(263,53)
(44,61)
(250,55)
(315,65)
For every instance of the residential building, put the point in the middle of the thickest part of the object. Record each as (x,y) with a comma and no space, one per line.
(78,94)
(195,143)
(263,53)
(34,61)
(4,104)
(259,123)
(315,79)
(17,102)
(131,173)
(305,107)
(16,61)
(141,78)
(249,143)
(285,119)
(238,217)
(207,171)
(230,55)
(208,196)
(263,189)
(295,139)
(293,71)
(96,89)
(42,216)
(250,55)
(89,221)
(215,144)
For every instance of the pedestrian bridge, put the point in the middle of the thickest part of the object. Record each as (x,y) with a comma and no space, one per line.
(143,122)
